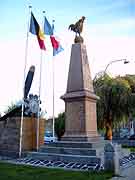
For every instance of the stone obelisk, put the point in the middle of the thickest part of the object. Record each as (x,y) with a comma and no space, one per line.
(80,99)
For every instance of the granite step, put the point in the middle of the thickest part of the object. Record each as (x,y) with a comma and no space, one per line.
(67,150)
(64,157)
(69,144)
(93,144)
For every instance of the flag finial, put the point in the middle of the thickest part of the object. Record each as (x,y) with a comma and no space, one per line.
(30,7)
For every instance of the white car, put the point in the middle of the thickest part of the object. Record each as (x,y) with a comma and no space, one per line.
(49,137)
(124,132)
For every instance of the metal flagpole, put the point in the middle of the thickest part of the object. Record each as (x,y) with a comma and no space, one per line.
(26,55)
(53,99)
(53,94)
(38,118)
(40,79)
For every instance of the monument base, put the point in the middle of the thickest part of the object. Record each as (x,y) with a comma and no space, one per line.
(81,137)
(70,151)
(95,140)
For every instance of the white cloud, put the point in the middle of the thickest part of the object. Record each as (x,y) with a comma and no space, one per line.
(101,50)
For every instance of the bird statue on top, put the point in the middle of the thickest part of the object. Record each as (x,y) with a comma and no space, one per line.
(77,28)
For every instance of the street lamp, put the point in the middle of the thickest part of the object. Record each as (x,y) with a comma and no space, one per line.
(98,84)
(125,62)
(102,73)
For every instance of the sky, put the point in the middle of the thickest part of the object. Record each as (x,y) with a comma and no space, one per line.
(109,34)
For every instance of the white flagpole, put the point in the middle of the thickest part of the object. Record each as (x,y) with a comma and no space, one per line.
(40,80)
(38,118)
(53,99)
(26,55)
(53,95)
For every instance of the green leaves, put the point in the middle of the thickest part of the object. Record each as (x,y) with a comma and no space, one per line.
(116,99)
(60,125)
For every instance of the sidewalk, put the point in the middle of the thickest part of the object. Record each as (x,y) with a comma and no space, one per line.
(126,174)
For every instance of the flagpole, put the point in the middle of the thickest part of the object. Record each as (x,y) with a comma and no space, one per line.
(53,98)
(38,118)
(40,80)
(26,55)
(53,95)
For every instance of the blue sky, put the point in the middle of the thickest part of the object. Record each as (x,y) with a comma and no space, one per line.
(15,13)
(109,33)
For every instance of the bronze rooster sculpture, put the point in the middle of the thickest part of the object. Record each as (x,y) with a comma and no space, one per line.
(78,26)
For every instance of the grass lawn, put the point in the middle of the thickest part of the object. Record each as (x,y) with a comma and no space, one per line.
(20,172)
(132,149)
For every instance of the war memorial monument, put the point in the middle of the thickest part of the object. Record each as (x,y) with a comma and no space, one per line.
(81,146)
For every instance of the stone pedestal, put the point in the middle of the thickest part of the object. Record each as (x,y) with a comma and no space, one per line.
(80,100)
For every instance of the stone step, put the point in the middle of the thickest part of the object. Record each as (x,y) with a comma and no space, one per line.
(72,151)
(69,144)
(64,157)
(98,144)
(75,144)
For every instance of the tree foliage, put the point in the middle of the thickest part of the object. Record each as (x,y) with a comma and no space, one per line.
(60,125)
(131,100)
(114,104)
(10,107)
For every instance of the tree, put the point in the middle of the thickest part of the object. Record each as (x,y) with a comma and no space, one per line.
(10,107)
(60,125)
(114,96)
(131,81)
(131,100)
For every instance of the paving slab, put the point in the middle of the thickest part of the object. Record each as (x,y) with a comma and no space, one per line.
(126,174)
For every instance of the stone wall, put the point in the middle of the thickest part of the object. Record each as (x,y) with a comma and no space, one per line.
(10,135)
(1,126)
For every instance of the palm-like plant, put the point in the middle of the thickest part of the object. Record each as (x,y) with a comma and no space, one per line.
(114,94)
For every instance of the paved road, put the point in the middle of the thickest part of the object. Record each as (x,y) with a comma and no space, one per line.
(126,174)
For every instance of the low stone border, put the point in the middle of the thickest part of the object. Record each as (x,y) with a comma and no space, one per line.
(57,164)
(127,161)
